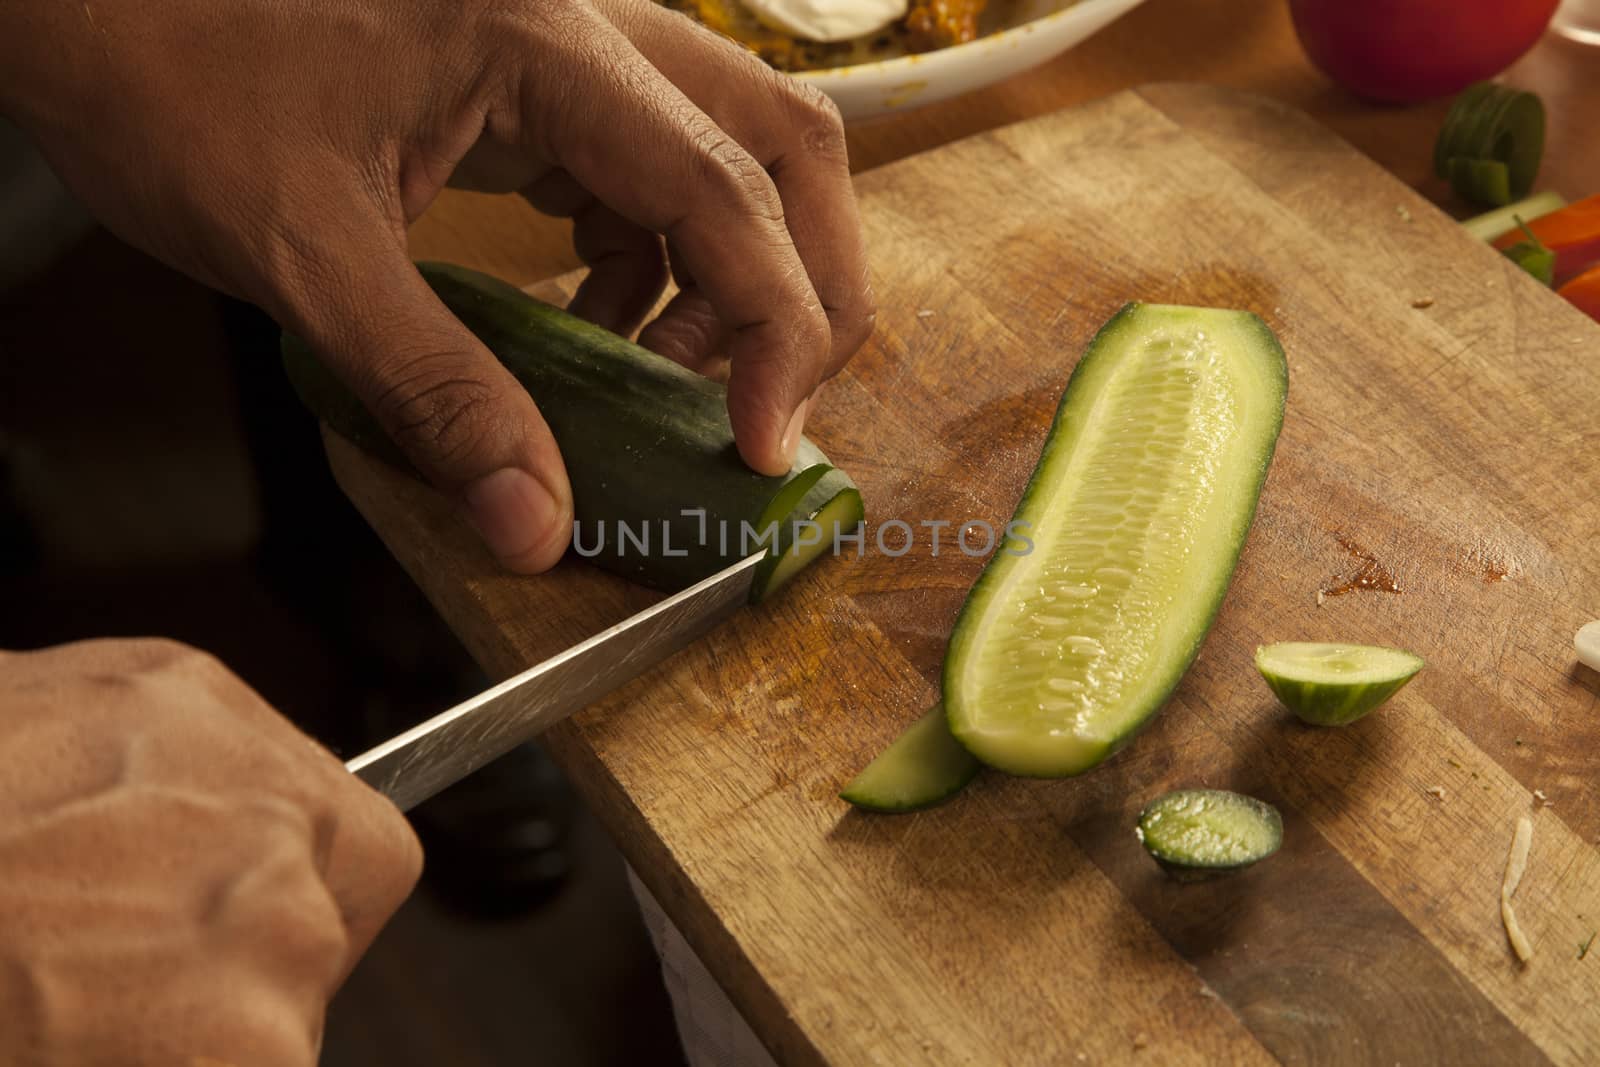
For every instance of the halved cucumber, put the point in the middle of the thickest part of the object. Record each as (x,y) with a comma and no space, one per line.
(1194,833)
(1137,512)
(1333,684)
(920,768)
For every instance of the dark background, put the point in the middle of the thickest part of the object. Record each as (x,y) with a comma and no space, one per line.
(155,480)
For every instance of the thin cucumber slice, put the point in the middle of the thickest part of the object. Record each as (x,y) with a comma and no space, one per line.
(1194,833)
(922,767)
(839,511)
(1333,684)
(1136,512)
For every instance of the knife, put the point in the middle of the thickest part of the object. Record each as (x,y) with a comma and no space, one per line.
(413,766)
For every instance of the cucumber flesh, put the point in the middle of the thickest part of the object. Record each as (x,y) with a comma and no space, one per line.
(1334,684)
(647,444)
(1137,512)
(1197,832)
(922,767)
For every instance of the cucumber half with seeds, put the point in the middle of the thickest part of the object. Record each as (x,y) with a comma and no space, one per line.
(1196,833)
(1333,684)
(1137,512)
(922,767)
(660,495)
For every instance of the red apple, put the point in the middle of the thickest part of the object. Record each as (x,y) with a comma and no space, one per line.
(1408,50)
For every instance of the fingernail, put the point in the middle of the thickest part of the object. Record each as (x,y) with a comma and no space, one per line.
(791,436)
(512,511)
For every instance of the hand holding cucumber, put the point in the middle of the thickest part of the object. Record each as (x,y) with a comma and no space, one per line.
(277,150)
(186,877)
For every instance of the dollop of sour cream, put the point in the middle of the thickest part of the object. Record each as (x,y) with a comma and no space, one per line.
(828,20)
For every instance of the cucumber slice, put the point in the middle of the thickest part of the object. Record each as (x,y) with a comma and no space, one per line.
(1195,833)
(647,444)
(1333,684)
(1137,512)
(922,767)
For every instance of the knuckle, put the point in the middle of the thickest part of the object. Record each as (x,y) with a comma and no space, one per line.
(162,655)
(722,165)
(813,331)
(853,327)
(437,414)
(817,118)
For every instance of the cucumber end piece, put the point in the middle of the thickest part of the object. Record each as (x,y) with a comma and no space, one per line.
(1330,684)
(839,515)
(922,767)
(1194,834)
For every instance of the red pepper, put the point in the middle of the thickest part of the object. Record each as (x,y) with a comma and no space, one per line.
(1584,292)
(1573,234)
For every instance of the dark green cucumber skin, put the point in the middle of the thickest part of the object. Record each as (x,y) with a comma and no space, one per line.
(1298,698)
(1279,367)
(643,439)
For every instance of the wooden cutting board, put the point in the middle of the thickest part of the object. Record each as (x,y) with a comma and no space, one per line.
(1443,428)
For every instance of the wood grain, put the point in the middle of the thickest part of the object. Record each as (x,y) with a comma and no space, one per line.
(1455,443)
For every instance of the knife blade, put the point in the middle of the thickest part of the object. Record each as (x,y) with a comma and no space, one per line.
(422,761)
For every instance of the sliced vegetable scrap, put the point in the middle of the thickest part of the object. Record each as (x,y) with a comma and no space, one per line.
(1572,233)
(922,767)
(1587,643)
(1329,684)
(1491,143)
(1516,864)
(1195,833)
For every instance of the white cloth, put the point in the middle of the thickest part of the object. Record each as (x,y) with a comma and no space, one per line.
(711,1029)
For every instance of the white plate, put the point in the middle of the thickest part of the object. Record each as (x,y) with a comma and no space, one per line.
(1038,30)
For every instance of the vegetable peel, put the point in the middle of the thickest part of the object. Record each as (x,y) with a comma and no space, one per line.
(1516,864)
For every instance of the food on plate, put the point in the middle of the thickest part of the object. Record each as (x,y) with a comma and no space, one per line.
(1135,517)
(1502,220)
(1409,50)
(922,767)
(796,35)
(659,492)
(1491,143)
(1571,232)
(1334,684)
(1198,833)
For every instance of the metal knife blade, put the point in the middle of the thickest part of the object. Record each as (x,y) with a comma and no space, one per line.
(415,765)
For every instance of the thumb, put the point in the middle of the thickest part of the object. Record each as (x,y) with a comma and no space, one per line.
(464,422)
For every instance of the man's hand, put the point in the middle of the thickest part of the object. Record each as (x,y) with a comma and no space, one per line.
(184,878)
(277,149)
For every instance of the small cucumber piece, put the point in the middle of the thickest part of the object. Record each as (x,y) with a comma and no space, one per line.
(1136,514)
(1333,684)
(1196,833)
(922,767)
